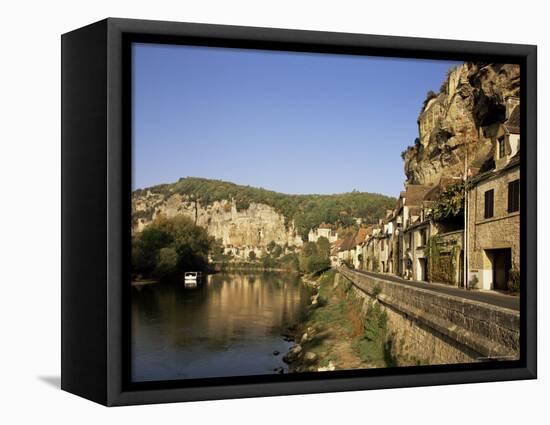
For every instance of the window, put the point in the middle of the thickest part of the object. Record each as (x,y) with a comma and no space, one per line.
(501,148)
(513,196)
(423,237)
(489,201)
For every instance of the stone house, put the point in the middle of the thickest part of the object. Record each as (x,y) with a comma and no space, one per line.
(437,254)
(494,211)
(346,251)
(416,238)
(335,251)
(324,230)
(368,251)
(381,250)
(390,231)
(359,241)
(408,211)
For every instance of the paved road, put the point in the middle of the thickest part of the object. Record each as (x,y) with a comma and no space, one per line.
(494,298)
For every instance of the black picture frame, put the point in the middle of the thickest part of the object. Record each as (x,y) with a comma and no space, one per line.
(96,173)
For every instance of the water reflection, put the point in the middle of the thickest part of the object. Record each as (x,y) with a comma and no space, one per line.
(230,326)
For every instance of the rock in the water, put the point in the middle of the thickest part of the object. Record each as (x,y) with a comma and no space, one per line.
(276,353)
(294,354)
(288,335)
(310,357)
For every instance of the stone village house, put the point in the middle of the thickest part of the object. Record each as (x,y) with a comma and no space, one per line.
(494,218)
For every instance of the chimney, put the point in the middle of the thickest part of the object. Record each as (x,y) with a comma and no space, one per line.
(511,102)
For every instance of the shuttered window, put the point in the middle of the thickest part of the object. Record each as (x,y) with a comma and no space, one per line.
(489,203)
(513,196)
(501,148)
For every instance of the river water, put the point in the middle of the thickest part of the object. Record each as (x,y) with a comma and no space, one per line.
(230,326)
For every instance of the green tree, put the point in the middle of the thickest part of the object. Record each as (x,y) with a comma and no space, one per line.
(323,247)
(290,262)
(269,262)
(271,246)
(277,251)
(309,249)
(311,260)
(167,264)
(217,251)
(450,204)
(168,246)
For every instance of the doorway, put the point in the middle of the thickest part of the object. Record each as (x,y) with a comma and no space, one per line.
(501,263)
(421,273)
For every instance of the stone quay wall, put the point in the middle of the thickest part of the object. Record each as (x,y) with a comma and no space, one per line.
(426,327)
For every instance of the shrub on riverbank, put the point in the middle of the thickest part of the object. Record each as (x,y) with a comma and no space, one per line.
(169,245)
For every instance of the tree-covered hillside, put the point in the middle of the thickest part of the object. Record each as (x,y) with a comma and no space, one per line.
(307,211)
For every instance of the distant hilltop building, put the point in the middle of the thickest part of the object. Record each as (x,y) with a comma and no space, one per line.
(324,230)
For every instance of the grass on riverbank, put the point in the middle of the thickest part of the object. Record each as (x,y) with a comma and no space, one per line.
(343,336)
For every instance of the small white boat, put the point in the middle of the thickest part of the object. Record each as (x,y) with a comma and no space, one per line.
(192,279)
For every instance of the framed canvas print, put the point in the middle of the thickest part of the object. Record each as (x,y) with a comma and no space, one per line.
(252,212)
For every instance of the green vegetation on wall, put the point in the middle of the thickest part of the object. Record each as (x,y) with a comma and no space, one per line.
(372,344)
(441,266)
(450,205)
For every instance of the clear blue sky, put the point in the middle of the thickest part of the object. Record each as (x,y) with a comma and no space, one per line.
(290,122)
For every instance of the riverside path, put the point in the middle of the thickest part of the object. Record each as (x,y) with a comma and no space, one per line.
(489,297)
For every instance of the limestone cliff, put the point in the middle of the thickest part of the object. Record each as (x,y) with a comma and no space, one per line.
(460,120)
(255,226)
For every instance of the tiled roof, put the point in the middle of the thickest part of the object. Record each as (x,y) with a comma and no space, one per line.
(361,235)
(336,245)
(415,210)
(414,193)
(347,244)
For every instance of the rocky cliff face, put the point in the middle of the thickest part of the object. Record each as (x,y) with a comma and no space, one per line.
(460,120)
(255,226)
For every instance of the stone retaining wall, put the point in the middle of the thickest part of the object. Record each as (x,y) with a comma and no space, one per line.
(432,328)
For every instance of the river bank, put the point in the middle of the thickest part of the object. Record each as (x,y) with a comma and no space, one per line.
(337,331)
(250,267)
